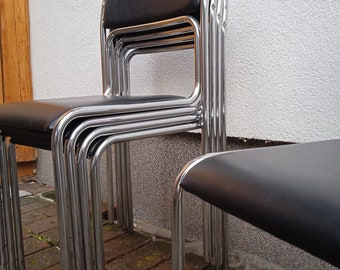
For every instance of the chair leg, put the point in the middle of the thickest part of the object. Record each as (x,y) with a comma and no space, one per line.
(97,216)
(16,206)
(127,189)
(119,181)
(3,260)
(7,208)
(85,210)
(123,182)
(76,222)
(214,14)
(110,191)
(3,253)
(178,230)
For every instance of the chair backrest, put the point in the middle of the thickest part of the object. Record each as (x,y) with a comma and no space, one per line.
(145,26)
(123,13)
(206,20)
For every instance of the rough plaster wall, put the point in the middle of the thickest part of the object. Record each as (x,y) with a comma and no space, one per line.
(65,51)
(284,69)
(283,62)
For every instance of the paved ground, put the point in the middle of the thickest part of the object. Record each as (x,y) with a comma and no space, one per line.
(122,251)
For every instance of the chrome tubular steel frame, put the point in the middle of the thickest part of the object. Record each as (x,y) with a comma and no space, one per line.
(172,43)
(115,42)
(78,244)
(113,124)
(187,34)
(213,31)
(172,125)
(124,57)
(11,246)
(62,190)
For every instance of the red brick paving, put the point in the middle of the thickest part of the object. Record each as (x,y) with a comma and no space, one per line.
(123,251)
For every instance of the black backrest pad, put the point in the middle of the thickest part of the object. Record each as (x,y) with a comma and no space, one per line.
(122,13)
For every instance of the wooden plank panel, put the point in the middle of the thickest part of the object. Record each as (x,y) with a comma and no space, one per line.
(15,50)
(1,86)
(16,82)
(25,153)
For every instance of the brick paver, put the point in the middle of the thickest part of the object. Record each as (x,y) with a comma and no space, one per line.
(122,250)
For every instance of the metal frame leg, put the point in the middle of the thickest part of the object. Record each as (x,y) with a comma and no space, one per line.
(119,188)
(213,24)
(16,206)
(7,207)
(3,253)
(97,217)
(178,230)
(110,191)
(75,206)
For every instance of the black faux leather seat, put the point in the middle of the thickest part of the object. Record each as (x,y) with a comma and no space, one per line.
(48,124)
(122,13)
(292,192)
(31,123)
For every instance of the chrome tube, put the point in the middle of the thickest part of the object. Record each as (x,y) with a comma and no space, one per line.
(110,46)
(213,16)
(101,122)
(102,32)
(110,190)
(124,55)
(3,252)
(178,229)
(133,136)
(177,221)
(62,190)
(7,207)
(19,250)
(82,166)
(97,220)
(122,149)
(122,88)
(206,129)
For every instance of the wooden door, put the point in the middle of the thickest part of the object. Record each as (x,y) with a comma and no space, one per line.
(15,67)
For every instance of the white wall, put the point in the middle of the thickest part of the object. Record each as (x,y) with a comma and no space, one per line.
(283,64)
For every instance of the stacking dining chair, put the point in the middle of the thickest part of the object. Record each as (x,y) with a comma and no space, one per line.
(93,123)
(29,123)
(214,123)
(216,141)
(290,191)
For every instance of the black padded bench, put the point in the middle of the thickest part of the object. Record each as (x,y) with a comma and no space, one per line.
(291,191)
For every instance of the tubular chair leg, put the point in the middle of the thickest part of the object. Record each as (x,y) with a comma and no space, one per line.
(109,169)
(16,207)
(75,208)
(214,14)
(3,260)
(119,190)
(126,186)
(7,209)
(124,193)
(178,230)
(3,253)
(97,217)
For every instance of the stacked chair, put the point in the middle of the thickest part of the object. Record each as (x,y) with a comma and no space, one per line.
(81,128)
(289,191)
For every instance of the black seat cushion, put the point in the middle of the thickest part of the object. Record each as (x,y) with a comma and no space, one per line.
(292,192)
(122,13)
(31,122)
